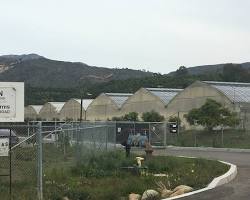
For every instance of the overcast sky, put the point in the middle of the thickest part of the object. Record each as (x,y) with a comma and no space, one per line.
(156,35)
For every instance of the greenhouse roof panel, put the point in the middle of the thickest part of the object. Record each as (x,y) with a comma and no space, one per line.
(119,98)
(85,102)
(236,92)
(57,105)
(37,108)
(165,94)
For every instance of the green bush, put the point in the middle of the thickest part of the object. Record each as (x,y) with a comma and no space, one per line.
(152,116)
(98,175)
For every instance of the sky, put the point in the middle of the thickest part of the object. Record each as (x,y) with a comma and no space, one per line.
(155,35)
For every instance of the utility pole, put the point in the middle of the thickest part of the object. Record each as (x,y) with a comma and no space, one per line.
(40,162)
(81,111)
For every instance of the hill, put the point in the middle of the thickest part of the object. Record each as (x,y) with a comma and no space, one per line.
(211,69)
(38,71)
(51,80)
(180,79)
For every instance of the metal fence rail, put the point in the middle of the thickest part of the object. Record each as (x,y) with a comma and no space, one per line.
(45,149)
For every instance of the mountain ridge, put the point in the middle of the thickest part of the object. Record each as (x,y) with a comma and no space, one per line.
(39,71)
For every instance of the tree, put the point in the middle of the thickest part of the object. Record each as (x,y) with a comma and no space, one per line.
(192,116)
(152,116)
(212,114)
(182,71)
(132,116)
(117,119)
(175,119)
(235,73)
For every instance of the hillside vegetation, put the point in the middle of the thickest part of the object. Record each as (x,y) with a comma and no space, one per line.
(41,72)
(50,80)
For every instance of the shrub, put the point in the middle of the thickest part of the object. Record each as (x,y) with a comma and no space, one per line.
(152,116)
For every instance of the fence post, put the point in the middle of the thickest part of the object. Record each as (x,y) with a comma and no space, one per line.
(114,134)
(222,136)
(39,162)
(149,133)
(106,137)
(78,150)
(28,128)
(165,134)
(195,140)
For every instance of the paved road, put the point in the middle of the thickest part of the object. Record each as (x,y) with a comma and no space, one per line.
(238,189)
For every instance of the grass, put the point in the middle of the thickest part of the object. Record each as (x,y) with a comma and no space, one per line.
(229,139)
(98,175)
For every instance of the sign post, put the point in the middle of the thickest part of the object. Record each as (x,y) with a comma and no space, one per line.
(11,110)
(11,102)
(4,147)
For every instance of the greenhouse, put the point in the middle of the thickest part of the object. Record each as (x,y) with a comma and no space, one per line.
(31,112)
(148,99)
(51,111)
(235,96)
(71,109)
(106,106)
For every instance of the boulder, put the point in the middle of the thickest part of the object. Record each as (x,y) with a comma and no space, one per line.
(150,195)
(134,196)
(166,193)
(177,193)
(183,187)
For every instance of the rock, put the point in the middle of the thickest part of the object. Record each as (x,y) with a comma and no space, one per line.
(150,195)
(183,187)
(65,198)
(166,193)
(163,190)
(178,192)
(134,196)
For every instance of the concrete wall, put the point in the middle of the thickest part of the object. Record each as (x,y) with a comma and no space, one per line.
(143,101)
(48,113)
(102,108)
(71,111)
(194,96)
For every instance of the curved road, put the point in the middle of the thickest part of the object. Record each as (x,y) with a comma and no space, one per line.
(238,189)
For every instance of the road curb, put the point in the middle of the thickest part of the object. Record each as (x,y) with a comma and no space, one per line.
(221,180)
(208,149)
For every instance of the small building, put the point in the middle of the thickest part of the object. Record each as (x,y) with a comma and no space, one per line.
(31,112)
(106,106)
(234,96)
(149,99)
(51,111)
(72,108)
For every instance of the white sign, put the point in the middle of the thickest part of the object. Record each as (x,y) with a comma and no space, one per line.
(4,146)
(119,129)
(11,102)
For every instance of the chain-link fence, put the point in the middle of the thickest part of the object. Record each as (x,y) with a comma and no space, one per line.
(42,153)
(20,165)
(39,149)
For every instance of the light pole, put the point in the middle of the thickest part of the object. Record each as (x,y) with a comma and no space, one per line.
(86,94)
(81,112)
